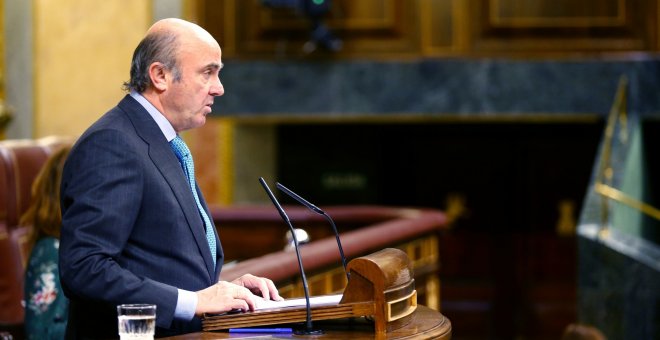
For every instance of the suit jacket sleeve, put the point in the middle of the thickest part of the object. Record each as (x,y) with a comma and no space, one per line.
(102,192)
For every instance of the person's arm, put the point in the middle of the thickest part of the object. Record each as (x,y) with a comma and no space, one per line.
(185,305)
(45,304)
(100,208)
(101,197)
(236,295)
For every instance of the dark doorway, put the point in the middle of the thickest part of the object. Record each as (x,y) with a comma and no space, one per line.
(506,271)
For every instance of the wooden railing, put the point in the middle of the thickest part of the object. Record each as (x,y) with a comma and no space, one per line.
(412,230)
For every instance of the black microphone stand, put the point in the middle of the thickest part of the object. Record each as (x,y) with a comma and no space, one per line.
(319,211)
(309,329)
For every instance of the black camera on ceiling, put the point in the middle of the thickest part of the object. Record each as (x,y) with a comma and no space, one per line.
(314,10)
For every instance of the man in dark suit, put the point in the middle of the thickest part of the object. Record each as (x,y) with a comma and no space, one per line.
(135,227)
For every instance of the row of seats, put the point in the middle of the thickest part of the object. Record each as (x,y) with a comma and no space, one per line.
(20,162)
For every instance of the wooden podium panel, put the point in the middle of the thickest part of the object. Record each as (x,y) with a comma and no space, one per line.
(380,298)
(426,323)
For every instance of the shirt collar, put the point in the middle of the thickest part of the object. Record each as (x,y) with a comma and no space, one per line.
(164,125)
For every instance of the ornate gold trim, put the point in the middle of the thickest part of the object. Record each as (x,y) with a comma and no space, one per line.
(622,197)
(605,172)
(560,21)
(226,130)
(409,302)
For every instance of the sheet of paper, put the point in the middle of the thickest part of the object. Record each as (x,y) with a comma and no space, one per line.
(300,302)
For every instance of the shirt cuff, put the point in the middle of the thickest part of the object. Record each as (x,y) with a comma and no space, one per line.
(186,303)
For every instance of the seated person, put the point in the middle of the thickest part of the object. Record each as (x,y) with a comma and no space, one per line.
(46,307)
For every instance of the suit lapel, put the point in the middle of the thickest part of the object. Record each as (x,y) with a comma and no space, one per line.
(165,160)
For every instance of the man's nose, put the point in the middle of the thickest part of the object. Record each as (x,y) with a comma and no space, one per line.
(217,89)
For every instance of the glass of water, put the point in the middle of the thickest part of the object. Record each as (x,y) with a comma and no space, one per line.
(136,321)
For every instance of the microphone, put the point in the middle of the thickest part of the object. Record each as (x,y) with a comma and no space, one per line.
(308,324)
(320,212)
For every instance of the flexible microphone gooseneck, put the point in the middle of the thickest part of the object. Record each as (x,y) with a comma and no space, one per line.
(319,211)
(309,330)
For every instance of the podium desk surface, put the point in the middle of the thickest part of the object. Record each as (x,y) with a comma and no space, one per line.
(426,324)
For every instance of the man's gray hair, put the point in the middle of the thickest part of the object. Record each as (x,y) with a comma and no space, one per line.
(155,47)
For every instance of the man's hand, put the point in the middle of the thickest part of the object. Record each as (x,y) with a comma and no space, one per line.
(223,297)
(226,296)
(259,286)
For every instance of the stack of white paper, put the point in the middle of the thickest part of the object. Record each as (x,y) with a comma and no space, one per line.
(299,302)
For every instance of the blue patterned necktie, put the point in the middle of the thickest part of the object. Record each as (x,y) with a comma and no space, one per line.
(183,154)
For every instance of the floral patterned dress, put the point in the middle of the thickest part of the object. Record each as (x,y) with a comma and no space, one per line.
(46,307)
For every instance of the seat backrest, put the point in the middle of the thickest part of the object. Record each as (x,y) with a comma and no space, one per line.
(20,162)
(13,258)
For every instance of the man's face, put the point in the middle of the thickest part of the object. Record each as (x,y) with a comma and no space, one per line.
(188,100)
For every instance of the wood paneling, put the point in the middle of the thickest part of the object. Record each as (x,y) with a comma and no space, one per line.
(428,28)
(516,26)
(367,27)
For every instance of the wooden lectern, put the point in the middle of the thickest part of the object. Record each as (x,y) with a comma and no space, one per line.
(381,288)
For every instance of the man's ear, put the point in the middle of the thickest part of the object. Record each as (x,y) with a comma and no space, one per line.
(158,75)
